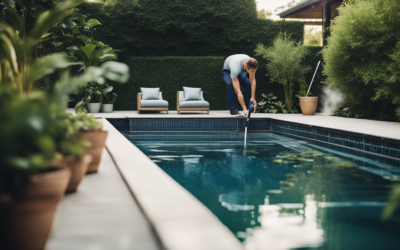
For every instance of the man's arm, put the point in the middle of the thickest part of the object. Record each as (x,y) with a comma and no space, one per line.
(236,87)
(252,78)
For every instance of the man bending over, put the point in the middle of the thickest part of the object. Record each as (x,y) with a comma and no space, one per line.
(234,75)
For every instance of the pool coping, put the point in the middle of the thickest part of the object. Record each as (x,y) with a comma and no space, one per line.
(179,220)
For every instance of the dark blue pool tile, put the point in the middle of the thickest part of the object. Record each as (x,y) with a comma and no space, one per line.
(120,124)
(169,125)
(256,125)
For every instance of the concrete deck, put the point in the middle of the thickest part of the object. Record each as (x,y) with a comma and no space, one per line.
(102,214)
(369,127)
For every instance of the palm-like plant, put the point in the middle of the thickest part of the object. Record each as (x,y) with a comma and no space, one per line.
(17,67)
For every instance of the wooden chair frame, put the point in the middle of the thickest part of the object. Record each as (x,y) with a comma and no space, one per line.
(139,106)
(188,109)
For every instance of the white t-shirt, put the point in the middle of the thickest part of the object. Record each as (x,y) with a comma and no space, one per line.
(234,64)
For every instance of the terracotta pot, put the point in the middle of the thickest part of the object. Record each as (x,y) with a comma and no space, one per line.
(78,168)
(48,185)
(308,105)
(98,142)
(26,224)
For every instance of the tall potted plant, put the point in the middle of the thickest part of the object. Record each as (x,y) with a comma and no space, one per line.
(285,64)
(308,103)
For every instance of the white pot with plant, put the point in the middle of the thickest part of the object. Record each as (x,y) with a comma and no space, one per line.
(107,100)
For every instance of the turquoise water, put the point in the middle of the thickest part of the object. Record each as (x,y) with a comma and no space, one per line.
(282,192)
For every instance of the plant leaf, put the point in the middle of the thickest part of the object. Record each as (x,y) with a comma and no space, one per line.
(88,49)
(92,23)
(107,89)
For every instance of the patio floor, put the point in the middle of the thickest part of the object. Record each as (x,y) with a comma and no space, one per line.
(102,214)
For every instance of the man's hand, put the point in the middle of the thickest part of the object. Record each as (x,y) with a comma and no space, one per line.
(255,105)
(245,112)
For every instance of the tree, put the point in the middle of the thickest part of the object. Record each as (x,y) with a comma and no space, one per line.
(362,58)
(264,14)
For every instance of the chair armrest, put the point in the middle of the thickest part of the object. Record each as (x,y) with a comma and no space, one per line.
(139,98)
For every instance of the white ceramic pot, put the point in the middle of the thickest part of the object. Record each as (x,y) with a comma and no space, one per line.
(107,108)
(94,107)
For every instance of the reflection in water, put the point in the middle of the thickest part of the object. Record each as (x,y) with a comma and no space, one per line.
(285,194)
(297,222)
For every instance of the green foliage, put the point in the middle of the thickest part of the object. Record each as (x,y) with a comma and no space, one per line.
(313,37)
(84,122)
(17,67)
(362,58)
(108,97)
(271,105)
(286,64)
(27,135)
(186,28)
(33,127)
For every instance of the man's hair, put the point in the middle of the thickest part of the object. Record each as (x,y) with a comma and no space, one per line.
(252,63)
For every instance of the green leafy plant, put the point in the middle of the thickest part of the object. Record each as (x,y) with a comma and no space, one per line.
(270,104)
(84,122)
(303,87)
(32,132)
(363,56)
(17,66)
(108,97)
(286,64)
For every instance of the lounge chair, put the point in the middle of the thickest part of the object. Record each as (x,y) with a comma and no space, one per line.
(191,105)
(149,102)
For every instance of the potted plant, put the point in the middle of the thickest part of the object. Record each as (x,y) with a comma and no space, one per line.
(89,128)
(107,100)
(31,185)
(73,149)
(285,64)
(32,178)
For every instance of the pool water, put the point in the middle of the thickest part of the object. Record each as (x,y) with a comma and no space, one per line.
(281,192)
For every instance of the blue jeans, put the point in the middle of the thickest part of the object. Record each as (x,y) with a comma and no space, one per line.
(230,91)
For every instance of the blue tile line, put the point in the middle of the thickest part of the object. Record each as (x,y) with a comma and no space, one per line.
(368,143)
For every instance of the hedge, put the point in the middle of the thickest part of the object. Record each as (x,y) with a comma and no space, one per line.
(186,27)
(172,73)
(170,44)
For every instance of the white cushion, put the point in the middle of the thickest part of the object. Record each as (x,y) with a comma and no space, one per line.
(192,94)
(150,93)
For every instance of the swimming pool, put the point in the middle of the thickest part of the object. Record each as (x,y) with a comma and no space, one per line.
(282,192)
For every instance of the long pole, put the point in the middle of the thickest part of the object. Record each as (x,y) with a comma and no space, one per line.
(313,78)
(245,136)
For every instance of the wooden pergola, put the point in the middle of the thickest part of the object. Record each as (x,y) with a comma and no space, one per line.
(325,10)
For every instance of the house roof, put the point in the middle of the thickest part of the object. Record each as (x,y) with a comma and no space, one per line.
(311,9)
